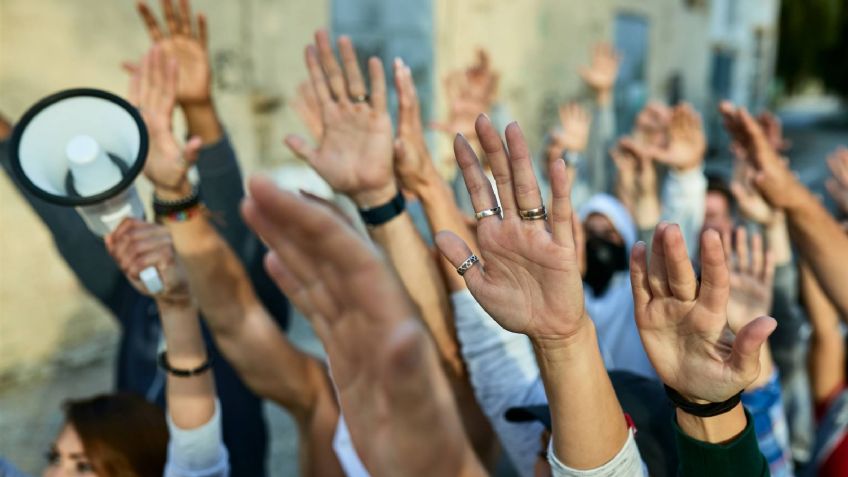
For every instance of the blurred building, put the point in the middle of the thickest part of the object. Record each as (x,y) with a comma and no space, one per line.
(695,50)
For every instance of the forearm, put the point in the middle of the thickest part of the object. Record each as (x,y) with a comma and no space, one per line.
(420,276)
(202,120)
(777,238)
(443,213)
(589,428)
(823,245)
(827,347)
(647,210)
(191,400)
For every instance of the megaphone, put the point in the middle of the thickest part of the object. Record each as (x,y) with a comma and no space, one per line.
(84,148)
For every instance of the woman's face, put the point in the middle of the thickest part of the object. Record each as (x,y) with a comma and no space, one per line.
(66,457)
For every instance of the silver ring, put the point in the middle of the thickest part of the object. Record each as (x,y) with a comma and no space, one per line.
(467,264)
(488,213)
(361,98)
(539,213)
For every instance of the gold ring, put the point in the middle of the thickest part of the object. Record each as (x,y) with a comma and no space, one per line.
(539,213)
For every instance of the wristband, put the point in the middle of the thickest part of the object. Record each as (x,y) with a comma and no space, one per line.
(183,373)
(381,214)
(182,215)
(702,410)
(166,207)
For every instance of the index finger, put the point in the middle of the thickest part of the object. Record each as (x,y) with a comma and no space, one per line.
(149,21)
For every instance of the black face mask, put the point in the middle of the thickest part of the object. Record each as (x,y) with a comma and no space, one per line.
(603,259)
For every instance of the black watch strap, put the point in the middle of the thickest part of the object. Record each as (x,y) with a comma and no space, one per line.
(381,214)
(183,373)
(702,410)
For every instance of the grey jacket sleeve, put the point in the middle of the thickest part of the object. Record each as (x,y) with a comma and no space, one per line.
(504,374)
(598,169)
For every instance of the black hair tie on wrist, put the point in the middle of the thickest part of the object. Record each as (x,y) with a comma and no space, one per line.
(379,215)
(183,373)
(702,410)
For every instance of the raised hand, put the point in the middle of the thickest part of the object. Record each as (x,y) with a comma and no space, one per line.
(153,91)
(307,107)
(686,140)
(651,129)
(413,164)
(355,152)
(383,363)
(601,74)
(751,278)
(637,181)
(771,176)
(574,134)
(684,325)
(470,92)
(837,185)
(185,39)
(136,245)
(528,278)
(773,129)
(751,203)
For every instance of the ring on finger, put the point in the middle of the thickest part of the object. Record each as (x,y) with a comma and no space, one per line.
(539,213)
(360,98)
(488,213)
(467,264)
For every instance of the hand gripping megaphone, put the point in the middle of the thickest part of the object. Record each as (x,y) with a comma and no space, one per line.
(83,148)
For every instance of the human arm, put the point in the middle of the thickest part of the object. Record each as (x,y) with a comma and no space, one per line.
(686,332)
(196,445)
(185,38)
(819,238)
(529,281)
(384,366)
(837,185)
(826,357)
(637,182)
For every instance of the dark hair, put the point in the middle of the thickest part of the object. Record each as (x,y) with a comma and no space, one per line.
(123,435)
(717,183)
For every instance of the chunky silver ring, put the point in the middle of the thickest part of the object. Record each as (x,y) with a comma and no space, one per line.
(361,98)
(467,264)
(487,213)
(539,213)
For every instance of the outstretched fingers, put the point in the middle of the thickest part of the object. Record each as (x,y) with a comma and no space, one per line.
(681,276)
(524,185)
(745,355)
(478,185)
(715,276)
(496,155)
(639,278)
(562,213)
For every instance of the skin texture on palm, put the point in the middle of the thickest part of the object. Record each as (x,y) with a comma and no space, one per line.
(820,239)
(384,366)
(751,287)
(684,324)
(529,281)
(355,152)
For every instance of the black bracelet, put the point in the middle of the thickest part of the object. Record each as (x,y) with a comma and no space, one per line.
(381,214)
(167,207)
(183,373)
(702,410)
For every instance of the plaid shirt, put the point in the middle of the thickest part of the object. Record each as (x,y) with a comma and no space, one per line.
(766,408)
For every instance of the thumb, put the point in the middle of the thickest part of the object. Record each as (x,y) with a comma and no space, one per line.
(192,150)
(300,148)
(745,354)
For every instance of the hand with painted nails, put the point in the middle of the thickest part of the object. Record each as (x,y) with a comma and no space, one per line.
(528,278)
(153,89)
(684,324)
(355,152)
(185,39)
(383,363)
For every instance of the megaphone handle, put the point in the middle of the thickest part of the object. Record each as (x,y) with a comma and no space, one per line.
(151,280)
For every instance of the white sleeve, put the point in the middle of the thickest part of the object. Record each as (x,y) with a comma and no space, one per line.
(343,447)
(627,463)
(684,198)
(504,374)
(198,452)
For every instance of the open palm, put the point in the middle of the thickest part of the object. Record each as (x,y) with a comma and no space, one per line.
(529,278)
(355,152)
(684,325)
